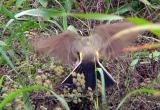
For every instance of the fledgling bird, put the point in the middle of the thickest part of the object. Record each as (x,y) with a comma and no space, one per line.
(70,48)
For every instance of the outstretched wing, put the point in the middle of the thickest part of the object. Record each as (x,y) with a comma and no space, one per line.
(62,47)
(102,34)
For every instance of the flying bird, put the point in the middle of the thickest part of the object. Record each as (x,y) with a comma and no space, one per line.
(85,53)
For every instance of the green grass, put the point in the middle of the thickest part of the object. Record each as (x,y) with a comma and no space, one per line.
(17,17)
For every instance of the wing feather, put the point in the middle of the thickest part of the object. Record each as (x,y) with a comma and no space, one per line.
(102,34)
(61,47)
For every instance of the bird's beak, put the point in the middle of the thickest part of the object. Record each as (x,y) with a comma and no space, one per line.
(80,56)
(97,56)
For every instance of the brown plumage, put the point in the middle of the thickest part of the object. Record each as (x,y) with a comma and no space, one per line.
(67,46)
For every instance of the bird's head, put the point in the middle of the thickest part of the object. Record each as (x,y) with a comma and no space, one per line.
(88,54)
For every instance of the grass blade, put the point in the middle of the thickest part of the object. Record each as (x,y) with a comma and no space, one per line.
(19,3)
(25,95)
(1,81)
(140,21)
(139,91)
(14,94)
(136,29)
(96,16)
(61,100)
(103,84)
(5,57)
(45,13)
(6,12)
(44,3)
(2,44)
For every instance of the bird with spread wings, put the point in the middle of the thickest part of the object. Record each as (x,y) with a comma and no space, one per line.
(84,53)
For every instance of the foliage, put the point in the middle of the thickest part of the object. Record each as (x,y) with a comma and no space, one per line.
(55,16)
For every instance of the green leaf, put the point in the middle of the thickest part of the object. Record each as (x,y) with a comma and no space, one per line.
(146,2)
(150,27)
(72,28)
(56,23)
(19,3)
(12,54)
(103,85)
(155,55)
(44,3)
(25,95)
(140,54)
(2,44)
(17,92)
(1,61)
(9,3)
(140,21)
(61,100)
(67,5)
(7,60)
(134,62)
(123,9)
(6,12)
(1,81)
(96,16)
(45,13)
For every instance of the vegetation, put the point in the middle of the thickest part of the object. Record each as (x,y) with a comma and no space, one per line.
(28,82)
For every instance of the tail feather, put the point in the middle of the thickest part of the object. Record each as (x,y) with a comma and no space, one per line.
(109,80)
(88,69)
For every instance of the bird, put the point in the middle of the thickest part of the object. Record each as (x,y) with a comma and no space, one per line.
(85,53)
